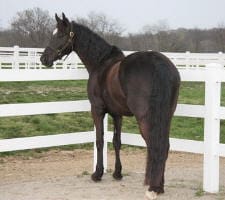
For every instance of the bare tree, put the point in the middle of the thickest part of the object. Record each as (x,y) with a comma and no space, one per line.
(195,38)
(161,25)
(100,23)
(160,30)
(178,42)
(218,35)
(33,26)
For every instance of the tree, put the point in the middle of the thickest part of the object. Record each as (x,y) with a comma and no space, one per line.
(219,37)
(160,30)
(32,27)
(195,37)
(100,23)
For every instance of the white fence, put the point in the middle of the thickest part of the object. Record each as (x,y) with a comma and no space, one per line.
(212,112)
(29,58)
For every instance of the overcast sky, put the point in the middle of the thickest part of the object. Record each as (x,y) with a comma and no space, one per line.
(132,14)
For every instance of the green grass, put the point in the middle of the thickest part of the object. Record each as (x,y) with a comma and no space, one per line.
(44,91)
(26,126)
(192,93)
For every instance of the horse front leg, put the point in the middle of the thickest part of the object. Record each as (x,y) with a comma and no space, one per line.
(117,120)
(98,117)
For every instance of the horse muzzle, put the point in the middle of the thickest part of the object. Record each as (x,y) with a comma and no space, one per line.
(45,61)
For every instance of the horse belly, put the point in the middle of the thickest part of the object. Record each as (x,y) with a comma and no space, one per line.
(117,106)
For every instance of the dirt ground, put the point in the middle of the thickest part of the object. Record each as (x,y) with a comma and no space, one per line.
(65,175)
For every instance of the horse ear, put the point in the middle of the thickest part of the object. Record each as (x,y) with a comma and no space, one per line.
(65,19)
(57,18)
(63,16)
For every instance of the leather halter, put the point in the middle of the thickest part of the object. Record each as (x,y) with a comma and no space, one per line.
(69,42)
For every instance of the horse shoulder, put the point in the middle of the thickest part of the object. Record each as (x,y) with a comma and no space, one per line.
(94,91)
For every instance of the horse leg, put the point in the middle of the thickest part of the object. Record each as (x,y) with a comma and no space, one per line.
(98,117)
(157,153)
(117,120)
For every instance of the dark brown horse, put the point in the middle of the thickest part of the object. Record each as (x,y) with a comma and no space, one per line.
(143,84)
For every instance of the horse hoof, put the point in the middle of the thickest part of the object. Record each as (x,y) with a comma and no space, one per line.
(117,176)
(150,195)
(96,178)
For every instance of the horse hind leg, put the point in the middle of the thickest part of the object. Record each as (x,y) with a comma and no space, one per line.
(156,136)
(117,120)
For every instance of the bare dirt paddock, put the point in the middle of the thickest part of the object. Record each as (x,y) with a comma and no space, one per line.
(65,175)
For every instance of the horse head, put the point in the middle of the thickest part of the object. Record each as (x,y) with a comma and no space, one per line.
(61,42)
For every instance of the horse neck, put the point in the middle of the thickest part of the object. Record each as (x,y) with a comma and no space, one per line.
(91,48)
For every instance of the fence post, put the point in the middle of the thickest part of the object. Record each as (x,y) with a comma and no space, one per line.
(105,148)
(187,55)
(212,128)
(95,151)
(16,57)
(221,59)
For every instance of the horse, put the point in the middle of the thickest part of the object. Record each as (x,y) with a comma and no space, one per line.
(143,84)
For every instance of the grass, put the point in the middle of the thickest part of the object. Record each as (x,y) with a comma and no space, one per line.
(200,192)
(44,91)
(12,127)
(192,93)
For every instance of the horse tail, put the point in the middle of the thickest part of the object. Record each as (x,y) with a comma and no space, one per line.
(163,100)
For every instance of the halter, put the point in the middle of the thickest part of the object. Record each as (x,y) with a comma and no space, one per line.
(69,42)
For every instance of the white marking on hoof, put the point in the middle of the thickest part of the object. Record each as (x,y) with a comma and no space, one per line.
(150,195)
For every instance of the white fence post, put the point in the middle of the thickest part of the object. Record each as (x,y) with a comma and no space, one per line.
(221,58)
(212,128)
(188,64)
(105,148)
(95,152)
(16,57)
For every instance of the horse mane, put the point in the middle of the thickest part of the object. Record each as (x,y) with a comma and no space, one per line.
(92,49)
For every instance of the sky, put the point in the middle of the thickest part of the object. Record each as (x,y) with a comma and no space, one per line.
(132,15)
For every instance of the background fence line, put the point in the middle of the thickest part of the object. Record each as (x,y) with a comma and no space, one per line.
(212,112)
(29,58)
